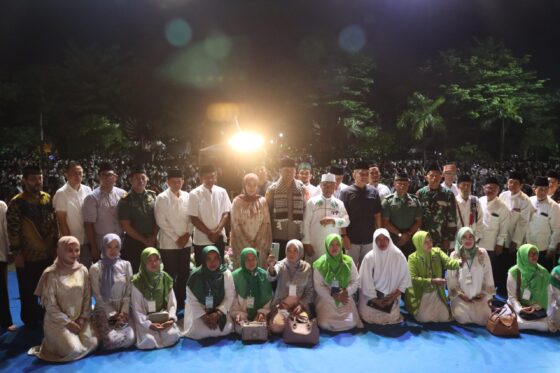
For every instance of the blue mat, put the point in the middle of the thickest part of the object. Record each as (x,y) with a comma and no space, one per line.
(409,348)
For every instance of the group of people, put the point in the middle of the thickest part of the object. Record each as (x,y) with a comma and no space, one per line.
(344,254)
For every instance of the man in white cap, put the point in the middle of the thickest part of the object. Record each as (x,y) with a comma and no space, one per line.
(324,214)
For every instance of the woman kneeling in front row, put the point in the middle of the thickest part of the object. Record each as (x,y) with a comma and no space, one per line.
(294,285)
(426,299)
(65,293)
(384,277)
(254,293)
(527,285)
(154,304)
(335,278)
(210,295)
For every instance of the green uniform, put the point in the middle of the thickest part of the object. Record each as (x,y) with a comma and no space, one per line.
(401,212)
(439,216)
(138,208)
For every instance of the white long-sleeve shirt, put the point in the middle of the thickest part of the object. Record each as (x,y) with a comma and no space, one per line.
(544,224)
(519,206)
(172,218)
(495,222)
(464,217)
(208,206)
(4,245)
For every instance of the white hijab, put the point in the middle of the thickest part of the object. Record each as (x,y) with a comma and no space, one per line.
(384,270)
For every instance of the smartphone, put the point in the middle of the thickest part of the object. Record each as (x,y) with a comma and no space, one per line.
(275,250)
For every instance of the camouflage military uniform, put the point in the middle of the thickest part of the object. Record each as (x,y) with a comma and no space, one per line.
(439,215)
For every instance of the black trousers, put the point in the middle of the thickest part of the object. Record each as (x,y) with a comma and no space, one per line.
(500,266)
(176,263)
(5,315)
(198,251)
(28,277)
(407,248)
(131,251)
(548,264)
(282,250)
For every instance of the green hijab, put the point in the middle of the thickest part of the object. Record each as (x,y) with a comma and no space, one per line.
(154,286)
(331,267)
(462,251)
(252,283)
(418,242)
(203,281)
(533,277)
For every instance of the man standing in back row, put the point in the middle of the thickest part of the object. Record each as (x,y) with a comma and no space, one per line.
(364,210)
(438,204)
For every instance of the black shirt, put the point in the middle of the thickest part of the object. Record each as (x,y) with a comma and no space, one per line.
(361,204)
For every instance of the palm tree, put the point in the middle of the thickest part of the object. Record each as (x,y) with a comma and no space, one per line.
(422,117)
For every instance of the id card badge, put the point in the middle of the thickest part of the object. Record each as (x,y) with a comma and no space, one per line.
(468,279)
(292,290)
(151,306)
(334,284)
(209,302)
(250,302)
(526,294)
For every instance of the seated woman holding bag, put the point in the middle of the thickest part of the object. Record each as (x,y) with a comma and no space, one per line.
(294,286)
(472,285)
(527,285)
(254,293)
(335,279)
(154,304)
(426,299)
(66,295)
(384,277)
(553,311)
(111,281)
(210,295)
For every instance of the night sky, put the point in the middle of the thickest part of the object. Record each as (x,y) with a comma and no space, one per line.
(265,49)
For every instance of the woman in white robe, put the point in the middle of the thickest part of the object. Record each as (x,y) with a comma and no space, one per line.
(153,293)
(65,293)
(472,285)
(384,277)
(335,279)
(527,286)
(111,282)
(210,296)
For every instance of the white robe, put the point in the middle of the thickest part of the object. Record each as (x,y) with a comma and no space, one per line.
(384,271)
(495,223)
(519,207)
(553,310)
(195,328)
(481,282)
(314,233)
(329,315)
(539,324)
(146,338)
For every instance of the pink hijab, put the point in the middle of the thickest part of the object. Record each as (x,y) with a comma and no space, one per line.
(59,266)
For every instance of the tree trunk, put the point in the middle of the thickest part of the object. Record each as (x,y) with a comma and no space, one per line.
(502,140)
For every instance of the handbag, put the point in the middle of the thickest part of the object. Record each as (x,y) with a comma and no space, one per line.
(502,321)
(387,308)
(301,330)
(533,316)
(254,331)
(158,317)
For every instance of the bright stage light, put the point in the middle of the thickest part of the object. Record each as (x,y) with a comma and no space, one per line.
(246,142)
